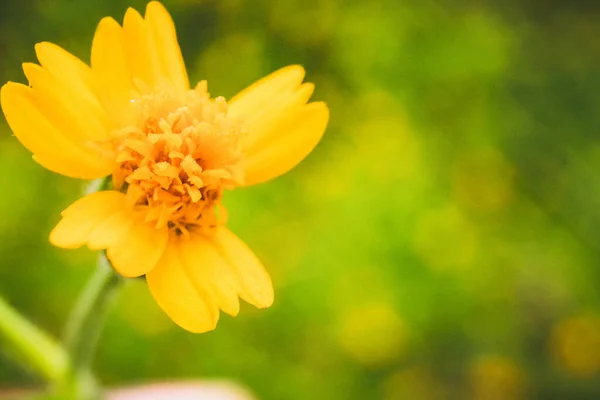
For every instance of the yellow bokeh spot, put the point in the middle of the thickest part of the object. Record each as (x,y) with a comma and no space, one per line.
(139,310)
(575,345)
(373,334)
(359,285)
(382,136)
(483,180)
(445,239)
(412,383)
(333,184)
(380,148)
(388,150)
(497,378)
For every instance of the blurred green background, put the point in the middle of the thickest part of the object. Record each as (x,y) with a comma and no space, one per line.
(440,243)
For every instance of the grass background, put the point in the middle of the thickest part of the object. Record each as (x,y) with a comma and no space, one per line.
(440,243)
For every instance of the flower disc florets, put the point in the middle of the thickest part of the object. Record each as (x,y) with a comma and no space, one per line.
(176,162)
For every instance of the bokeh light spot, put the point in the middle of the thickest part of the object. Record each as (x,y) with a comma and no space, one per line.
(373,334)
(483,180)
(575,345)
(445,239)
(412,383)
(497,378)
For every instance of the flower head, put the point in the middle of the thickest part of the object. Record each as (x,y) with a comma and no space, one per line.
(172,151)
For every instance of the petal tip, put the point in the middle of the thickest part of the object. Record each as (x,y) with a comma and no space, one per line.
(200,328)
(131,14)
(267,304)
(107,21)
(59,238)
(10,92)
(266,298)
(5,92)
(293,69)
(42,48)
(156,6)
(319,109)
(8,87)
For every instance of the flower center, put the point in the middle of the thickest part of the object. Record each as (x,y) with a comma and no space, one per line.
(176,163)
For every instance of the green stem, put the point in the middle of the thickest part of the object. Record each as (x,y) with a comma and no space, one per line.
(31,346)
(87,319)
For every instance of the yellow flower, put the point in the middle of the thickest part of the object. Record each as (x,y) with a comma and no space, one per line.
(172,151)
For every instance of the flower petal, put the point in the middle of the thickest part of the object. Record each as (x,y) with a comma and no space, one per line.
(70,70)
(139,249)
(254,281)
(41,137)
(210,273)
(267,125)
(81,217)
(174,292)
(282,128)
(266,92)
(111,230)
(66,108)
(140,50)
(167,47)
(109,65)
(290,146)
(103,221)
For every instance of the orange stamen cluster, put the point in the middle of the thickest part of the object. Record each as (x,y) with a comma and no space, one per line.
(176,163)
